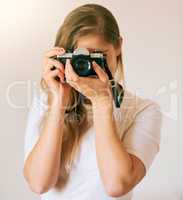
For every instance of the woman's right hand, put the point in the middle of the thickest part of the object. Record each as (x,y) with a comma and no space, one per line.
(57,89)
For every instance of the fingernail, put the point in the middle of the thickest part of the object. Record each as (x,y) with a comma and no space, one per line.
(61,51)
(94,63)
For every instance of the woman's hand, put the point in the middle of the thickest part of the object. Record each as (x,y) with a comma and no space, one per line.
(59,90)
(97,90)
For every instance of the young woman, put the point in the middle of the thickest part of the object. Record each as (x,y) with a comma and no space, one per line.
(89,149)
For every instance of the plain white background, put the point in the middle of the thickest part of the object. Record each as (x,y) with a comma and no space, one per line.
(153,59)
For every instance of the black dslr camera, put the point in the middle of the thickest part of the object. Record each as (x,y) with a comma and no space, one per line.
(81,60)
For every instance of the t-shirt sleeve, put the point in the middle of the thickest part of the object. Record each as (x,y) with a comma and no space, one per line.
(142,138)
(35,113)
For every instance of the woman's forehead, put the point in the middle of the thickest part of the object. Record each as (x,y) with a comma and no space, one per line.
(92,43)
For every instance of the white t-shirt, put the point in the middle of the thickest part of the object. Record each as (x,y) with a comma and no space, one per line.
(139,126)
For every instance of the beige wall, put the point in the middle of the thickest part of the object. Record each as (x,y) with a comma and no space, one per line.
(153,58)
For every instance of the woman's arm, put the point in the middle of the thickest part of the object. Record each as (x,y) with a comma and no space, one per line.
(116,166)
(42,166)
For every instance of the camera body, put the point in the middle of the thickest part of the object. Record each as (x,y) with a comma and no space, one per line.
(81,61)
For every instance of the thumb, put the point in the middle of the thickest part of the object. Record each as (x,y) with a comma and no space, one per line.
(100,72)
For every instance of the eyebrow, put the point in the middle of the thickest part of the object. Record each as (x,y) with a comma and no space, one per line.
(102,50)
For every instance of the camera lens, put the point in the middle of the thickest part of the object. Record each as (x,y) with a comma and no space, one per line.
(82,67)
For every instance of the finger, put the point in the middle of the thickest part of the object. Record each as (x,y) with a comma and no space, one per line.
(100,72)
(55,51)
(51,74)
(57,73)
(67,74)
(62,77)
(56,47)
(70,71)
(51,63)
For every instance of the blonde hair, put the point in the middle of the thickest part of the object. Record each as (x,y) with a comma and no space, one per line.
(86,19)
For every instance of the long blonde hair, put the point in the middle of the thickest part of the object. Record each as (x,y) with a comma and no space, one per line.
(86,19)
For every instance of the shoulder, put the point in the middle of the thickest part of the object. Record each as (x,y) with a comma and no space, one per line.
(39,100)
(134,104)
(141,127)
(37,107)
(136,108)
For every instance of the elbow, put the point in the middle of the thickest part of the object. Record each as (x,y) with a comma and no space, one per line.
(117,190)
(35,186)
(38,189)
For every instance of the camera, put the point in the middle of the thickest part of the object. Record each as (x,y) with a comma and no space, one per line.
(81,60)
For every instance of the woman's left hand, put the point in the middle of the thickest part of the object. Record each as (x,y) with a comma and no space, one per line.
(95,89)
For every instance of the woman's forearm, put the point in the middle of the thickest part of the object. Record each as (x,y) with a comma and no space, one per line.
(114,162)
(42,165)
